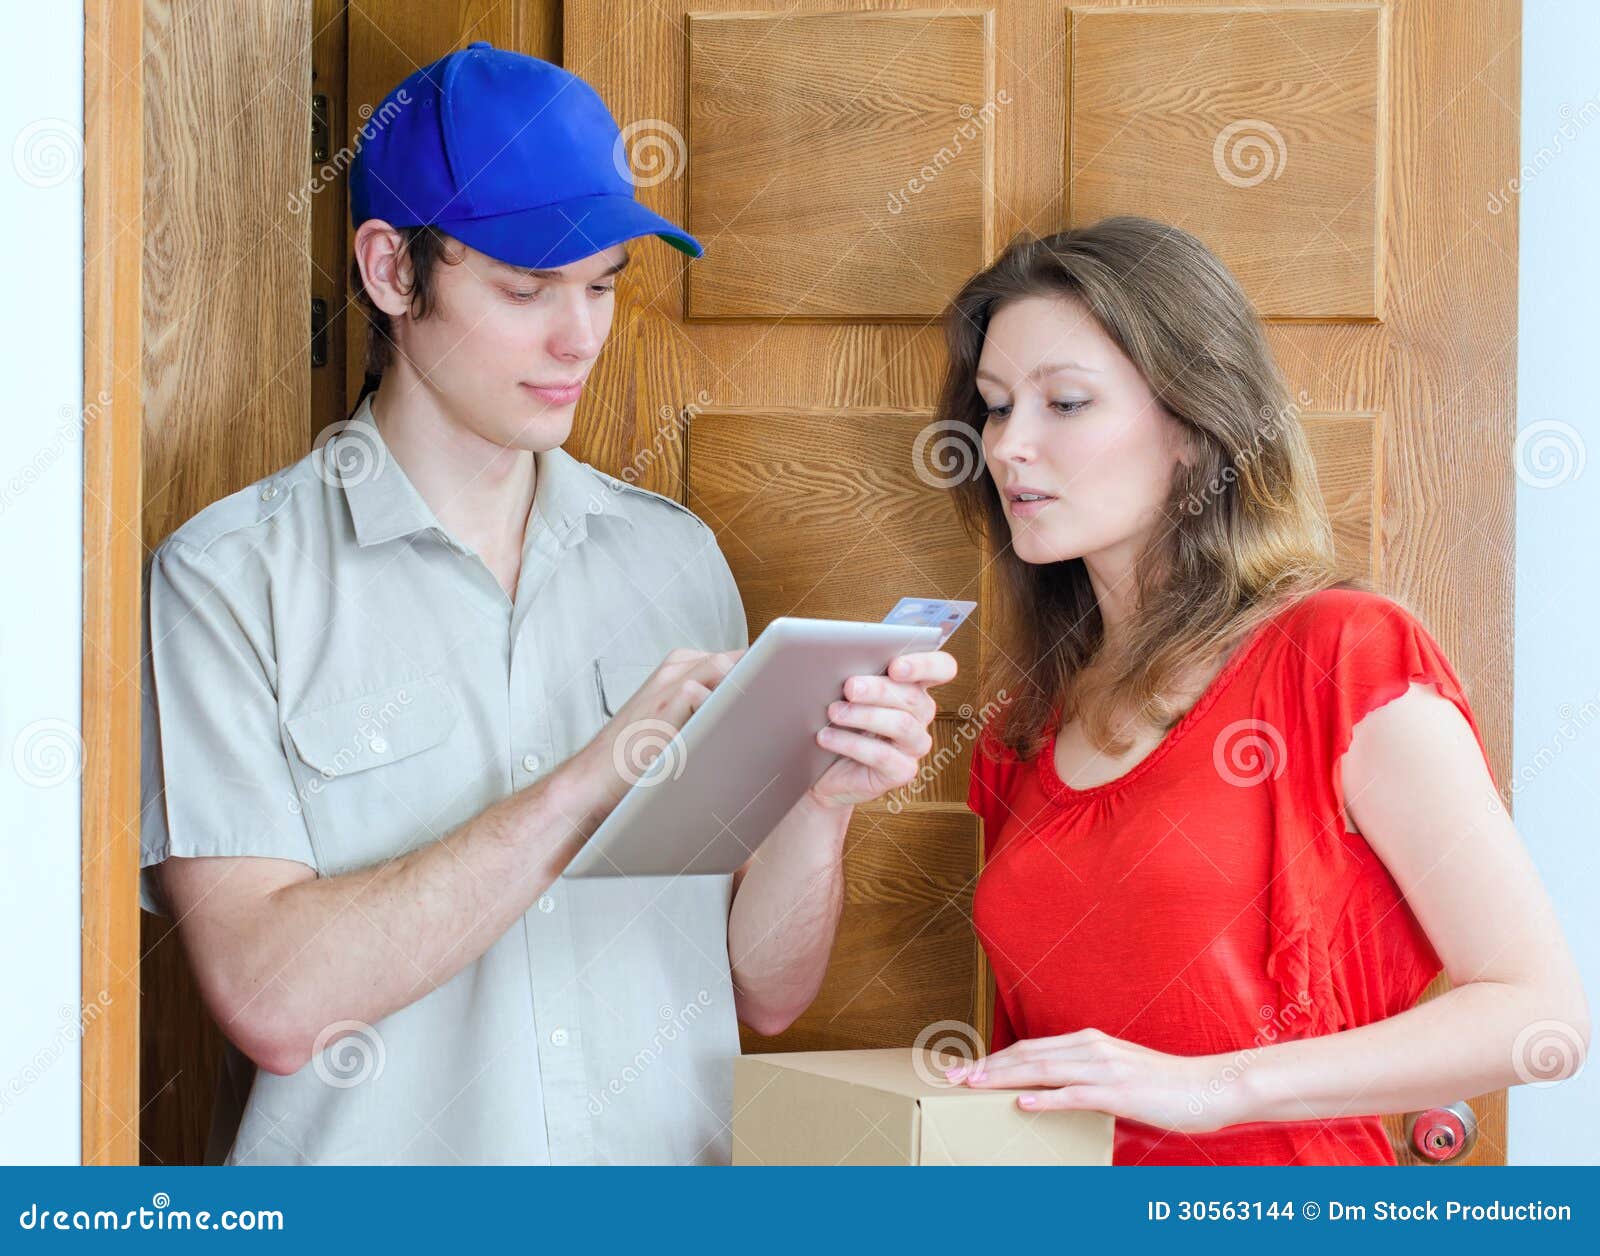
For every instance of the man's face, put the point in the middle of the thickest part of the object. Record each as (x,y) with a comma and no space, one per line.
(505,351)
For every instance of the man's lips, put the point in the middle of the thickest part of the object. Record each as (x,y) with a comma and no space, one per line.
(556,394)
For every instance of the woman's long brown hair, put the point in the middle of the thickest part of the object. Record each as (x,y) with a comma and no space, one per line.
(1245,532)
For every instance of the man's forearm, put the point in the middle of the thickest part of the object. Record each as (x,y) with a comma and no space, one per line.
(364,944)
(785,911)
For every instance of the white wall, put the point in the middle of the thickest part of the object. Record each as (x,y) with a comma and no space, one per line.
(41,565)
(1556,752)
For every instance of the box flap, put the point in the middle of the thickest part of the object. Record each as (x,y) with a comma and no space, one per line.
(792,1116)
(975,1127)
(895,1070)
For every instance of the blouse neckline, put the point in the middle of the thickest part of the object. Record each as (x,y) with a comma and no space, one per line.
(1057,790)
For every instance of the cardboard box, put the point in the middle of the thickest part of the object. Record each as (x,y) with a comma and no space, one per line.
(893,1107)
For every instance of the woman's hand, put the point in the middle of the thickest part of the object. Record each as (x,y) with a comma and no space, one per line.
(1092,1070)
(898,710)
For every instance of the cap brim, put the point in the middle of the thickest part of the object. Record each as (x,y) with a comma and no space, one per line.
(554,235)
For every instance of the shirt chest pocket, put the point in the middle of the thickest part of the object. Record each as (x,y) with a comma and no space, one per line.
(617,680)
(372,771)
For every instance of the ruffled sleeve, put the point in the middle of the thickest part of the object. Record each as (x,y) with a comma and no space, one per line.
(1347,653)
(990,786)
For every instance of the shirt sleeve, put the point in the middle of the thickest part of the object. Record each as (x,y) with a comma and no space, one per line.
(733,631)
(1357,651)
(215,779)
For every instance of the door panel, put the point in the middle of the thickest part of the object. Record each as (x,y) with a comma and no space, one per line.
(847,164)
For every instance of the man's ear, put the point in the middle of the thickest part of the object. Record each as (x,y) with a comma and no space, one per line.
(385,266)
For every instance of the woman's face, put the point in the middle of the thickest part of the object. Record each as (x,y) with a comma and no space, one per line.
(1072,423)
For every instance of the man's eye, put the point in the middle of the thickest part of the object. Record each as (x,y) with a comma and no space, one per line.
(523,296)
(600,289)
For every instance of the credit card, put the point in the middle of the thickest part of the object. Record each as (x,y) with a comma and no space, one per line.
(930,612)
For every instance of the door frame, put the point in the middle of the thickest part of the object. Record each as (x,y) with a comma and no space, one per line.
(113,247)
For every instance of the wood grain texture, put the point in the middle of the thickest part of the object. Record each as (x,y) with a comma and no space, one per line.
(1414,325)
(1266,125)
(325,197)
(906,959)
(112,226)
(1348,456)
(827,514)
(227,285)
(884,109)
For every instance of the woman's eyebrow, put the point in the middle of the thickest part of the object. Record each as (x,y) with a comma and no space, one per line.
(1042,370)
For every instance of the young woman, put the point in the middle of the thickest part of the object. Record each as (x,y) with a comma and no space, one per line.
(1238,814)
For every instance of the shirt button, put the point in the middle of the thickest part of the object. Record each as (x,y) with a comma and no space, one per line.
(530,763)
(558,1037)
(378,745)
(546,904)
(268,493)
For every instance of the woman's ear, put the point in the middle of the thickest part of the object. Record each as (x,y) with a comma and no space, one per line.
(385,266)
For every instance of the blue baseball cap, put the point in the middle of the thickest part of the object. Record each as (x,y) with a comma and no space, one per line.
(510,154)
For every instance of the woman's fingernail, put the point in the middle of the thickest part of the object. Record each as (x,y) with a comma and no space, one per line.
(979,1075)
(1027,1101)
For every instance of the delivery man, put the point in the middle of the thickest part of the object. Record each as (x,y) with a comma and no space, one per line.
(391,689)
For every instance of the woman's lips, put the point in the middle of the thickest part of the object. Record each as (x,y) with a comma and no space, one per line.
(555,395)
(1024,510)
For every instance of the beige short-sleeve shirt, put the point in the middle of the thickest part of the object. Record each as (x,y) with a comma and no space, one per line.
(332,678)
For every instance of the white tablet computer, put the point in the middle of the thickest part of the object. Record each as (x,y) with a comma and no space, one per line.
(746,756)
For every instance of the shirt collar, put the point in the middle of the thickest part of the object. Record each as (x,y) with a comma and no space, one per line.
(384,504)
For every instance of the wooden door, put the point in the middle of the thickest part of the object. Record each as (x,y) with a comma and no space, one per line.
(848,163)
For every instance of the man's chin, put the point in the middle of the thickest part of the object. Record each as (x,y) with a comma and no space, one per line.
(538,428)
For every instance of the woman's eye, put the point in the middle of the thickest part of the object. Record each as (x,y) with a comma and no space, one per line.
(996,412)
(1069,407)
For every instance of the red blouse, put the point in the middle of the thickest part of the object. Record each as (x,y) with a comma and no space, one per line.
(1209,900)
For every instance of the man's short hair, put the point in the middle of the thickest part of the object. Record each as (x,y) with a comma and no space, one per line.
(427,247)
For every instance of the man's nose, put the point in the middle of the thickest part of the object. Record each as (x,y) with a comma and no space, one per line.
(577,337)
